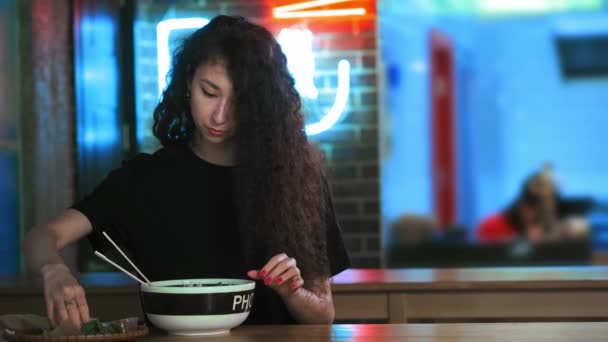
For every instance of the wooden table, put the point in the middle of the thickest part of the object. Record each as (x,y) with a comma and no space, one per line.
(395,296)
(563,331)
(470,295)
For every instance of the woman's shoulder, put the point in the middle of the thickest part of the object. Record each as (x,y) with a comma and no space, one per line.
(171,153)
(164,155)
(146,166)
(138,162)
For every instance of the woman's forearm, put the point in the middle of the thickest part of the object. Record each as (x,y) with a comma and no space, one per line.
(43,243)
(40,249)
(308,307)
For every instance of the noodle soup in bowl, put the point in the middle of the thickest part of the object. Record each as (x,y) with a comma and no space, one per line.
(198,306)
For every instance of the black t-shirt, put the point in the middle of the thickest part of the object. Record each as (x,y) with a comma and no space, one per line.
(175,215)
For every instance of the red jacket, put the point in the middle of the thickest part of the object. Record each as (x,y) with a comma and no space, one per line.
(496,228)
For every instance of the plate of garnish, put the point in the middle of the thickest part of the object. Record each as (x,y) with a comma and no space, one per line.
(126,329)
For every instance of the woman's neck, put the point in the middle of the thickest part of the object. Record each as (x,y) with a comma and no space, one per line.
(219,154)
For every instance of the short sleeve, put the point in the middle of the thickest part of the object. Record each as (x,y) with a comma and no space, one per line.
(107,206)
(336,251)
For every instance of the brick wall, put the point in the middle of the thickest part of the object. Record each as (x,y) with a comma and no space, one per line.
(350,148)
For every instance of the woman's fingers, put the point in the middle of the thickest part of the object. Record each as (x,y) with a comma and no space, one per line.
(65,298)
(282,272)
(76,304)
(296,283)
(286,277)
(271,264)
(83,306)
(60,309)
(68,302)
(254,274)
(73,313)
(50,309)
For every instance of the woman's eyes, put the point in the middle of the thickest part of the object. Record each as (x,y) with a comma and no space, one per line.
(208,94)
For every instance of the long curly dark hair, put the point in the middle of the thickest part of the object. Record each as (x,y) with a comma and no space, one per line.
(279,185)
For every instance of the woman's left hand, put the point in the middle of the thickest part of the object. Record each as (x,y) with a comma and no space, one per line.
(281,274)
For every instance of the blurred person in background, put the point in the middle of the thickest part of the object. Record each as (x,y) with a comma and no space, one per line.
(531,216)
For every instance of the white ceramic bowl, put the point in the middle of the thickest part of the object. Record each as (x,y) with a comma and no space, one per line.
(198,306)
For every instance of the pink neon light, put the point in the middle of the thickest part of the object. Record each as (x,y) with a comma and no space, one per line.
(295,10)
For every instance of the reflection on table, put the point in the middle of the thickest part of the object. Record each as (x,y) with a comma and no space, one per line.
(567,331)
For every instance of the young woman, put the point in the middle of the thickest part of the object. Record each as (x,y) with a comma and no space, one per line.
(236,191)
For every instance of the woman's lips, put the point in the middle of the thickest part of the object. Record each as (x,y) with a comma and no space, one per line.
(215,132)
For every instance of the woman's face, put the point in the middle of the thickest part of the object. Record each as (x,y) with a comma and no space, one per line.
(211,103)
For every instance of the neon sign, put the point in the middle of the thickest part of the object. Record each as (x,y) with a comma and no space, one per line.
(163,30)
(297,46)
(296,10)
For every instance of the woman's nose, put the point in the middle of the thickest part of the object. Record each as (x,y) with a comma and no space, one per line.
(222,113)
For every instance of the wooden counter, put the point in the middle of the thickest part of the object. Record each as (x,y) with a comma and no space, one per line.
(475,332)
(481,294)
(395,296)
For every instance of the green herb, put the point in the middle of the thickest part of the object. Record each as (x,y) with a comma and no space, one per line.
(95,327)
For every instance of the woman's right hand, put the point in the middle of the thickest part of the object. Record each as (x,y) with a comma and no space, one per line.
(65,298)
